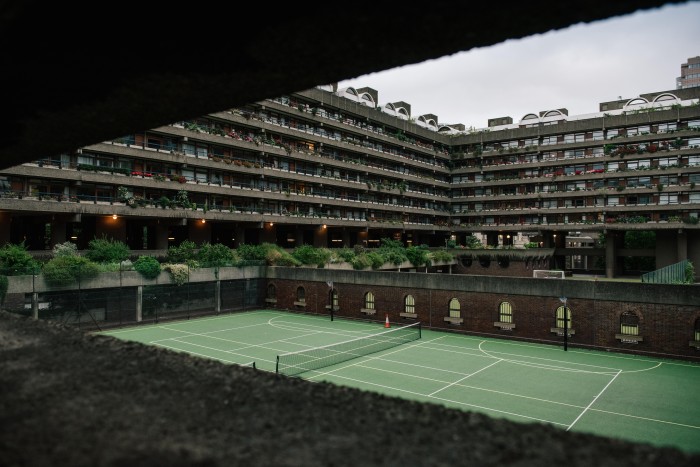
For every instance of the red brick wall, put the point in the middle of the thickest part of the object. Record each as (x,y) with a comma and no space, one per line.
(665,330)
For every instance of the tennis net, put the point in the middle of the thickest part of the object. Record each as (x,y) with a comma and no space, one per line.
(295,363)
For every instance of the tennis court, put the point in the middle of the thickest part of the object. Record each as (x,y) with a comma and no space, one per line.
(631,397)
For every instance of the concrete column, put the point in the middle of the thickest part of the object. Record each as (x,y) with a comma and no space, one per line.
(299,241)
(139,303)
(681,245)
(346,238)
(610,254)
(35,306)
(240,235)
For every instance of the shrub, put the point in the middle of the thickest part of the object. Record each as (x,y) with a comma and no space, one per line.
(441,256)
(15,260)
(179,273)
(215,255)
(256,252)
(147,266)
(375,260)
(346,254)
(186,250)
(65,270)
(689,273)
(418,255)
(107,250)
(65,249)
(361,262)
(307,254)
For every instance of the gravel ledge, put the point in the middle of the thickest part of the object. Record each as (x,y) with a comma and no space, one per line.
(74,399)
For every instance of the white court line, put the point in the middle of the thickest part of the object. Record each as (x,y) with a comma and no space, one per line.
(462,379)
(593,401)
(147,327)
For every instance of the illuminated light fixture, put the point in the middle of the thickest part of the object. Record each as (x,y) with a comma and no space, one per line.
(73,237)
(171,238)
(114,216)
(271,224)
(204,221)
(324,226)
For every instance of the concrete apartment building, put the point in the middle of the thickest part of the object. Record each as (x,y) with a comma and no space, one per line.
(690,74)
(334,167)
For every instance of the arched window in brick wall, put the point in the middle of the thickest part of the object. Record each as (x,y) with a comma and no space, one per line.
(301,294)
(271,291)
(505,312)
(455,308)
(563,318)
(629,324)
(409,304)
(369,301)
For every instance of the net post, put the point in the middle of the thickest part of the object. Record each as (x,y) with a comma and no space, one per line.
(420,329)
(277,365)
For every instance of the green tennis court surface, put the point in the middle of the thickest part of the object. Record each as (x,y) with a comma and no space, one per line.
(636,398)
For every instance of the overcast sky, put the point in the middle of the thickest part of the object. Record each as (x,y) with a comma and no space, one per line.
(574,68)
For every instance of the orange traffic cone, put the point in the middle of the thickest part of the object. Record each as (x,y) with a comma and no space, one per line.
(386,323)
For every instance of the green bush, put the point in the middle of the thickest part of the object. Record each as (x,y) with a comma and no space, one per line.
(307,254)
(147,266)
(65,270)
(418,255)
(179,273)
(360,262)
(689,273)
(65,249)
(15,260)
(215,255)
(107,250)
(441,256)
(375,259)
(256,252)
(187,250)
(346,254)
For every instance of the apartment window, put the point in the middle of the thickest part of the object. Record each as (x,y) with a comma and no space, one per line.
(667,180)
(575,186)
(640,164)
(409,304)
(666,127)
(666,161)
(574,138)
(454,308)
(693,160)
(633,182)
(613,200)
(668,198)
(613,134)
(613,166)
(530,142)
(597,152)
(549,140)
(597,135)
(505,312)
